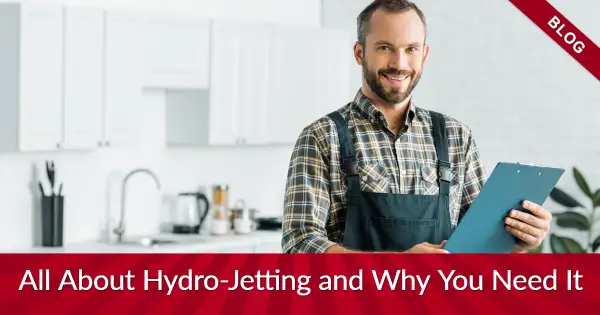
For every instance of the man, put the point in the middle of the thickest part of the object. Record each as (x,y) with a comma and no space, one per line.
(381,174)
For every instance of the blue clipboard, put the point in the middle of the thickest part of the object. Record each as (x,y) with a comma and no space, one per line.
(482,229)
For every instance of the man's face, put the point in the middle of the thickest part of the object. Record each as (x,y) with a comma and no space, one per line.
(393,56)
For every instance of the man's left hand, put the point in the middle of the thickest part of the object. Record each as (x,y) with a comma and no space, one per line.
(530,229)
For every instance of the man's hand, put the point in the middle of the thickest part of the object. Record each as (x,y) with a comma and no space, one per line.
(426,248)
(530,229)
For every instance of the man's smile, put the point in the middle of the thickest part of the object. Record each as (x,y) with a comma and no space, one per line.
(395,80)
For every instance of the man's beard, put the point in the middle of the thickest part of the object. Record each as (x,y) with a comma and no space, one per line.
(394,95)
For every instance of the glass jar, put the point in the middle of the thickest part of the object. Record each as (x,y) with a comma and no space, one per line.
(220,210)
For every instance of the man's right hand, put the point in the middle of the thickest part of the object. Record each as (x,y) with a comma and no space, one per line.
(427,248)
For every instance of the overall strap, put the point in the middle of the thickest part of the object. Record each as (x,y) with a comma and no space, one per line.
(440,140)
(349,163)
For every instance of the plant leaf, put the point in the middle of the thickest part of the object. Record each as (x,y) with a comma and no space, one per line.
(572,220)
(597,198)
(563,198)
(582,183)
(538,249)
(564,245)
(596,244)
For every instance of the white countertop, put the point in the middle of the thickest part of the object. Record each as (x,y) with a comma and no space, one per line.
(183,244)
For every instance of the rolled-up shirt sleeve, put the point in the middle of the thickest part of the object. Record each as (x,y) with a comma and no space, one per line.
(475,174)
(307,201)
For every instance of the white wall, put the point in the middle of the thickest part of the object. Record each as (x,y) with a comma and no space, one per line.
(525,98)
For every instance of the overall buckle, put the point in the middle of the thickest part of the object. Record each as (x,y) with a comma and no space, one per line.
(444,171)
(351,166)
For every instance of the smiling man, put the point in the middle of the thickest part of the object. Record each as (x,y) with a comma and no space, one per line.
(382,174)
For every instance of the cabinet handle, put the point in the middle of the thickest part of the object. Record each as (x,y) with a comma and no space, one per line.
(59,145)
(107,143)
(100,143)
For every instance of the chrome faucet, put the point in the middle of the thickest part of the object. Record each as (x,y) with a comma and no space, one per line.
(120,229)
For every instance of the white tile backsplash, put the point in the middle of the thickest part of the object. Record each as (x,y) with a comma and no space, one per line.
(93,183)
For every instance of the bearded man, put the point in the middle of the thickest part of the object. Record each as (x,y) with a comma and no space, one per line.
(381,174)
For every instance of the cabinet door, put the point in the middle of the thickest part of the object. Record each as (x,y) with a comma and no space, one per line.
(334,83)
(175,52)
(293,94)
(123,91)
(239,82)
(83,77)
(224,78)
(253,82)
(41,82)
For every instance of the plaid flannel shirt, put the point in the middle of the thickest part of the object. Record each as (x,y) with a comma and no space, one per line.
(315,196)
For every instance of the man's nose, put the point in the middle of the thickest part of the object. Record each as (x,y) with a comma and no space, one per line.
(399,60)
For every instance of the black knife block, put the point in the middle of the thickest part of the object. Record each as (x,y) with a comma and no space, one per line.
(52,221)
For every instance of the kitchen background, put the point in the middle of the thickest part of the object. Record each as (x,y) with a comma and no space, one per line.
(211,92)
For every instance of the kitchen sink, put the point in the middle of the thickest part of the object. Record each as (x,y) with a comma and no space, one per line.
(159,241)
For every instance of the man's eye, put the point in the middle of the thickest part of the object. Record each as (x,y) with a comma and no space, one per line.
(384,48)
(412,49)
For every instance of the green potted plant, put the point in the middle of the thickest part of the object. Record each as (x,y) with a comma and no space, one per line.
(583,221)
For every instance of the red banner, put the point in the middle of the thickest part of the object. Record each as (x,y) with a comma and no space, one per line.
(299,284)
(563,32)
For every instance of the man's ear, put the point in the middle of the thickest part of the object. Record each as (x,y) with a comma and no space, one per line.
(425,52)
(358,53)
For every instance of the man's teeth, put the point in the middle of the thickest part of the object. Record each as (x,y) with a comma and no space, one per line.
(397,78)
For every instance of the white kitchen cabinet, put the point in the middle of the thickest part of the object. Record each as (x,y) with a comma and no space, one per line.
(313,73)
(122,84)
(254,83)
(239,82)
(83,77)
(174,51)
(125,114)
(224,95)
(294,69)
(339,76)
(234,110)
(70,78)
(31,80)
(102,89)
(267,82)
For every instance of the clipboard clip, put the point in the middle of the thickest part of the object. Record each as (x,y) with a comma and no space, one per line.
(444,171)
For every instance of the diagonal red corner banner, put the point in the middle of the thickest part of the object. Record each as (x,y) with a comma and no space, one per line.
(563,32)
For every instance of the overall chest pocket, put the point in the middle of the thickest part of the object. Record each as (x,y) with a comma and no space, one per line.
(374,178)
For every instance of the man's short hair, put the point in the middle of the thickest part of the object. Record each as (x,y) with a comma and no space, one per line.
(396,6)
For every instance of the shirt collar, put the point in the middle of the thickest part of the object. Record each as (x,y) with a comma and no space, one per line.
(374,115)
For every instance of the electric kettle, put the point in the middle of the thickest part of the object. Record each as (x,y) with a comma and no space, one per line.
(189,213)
